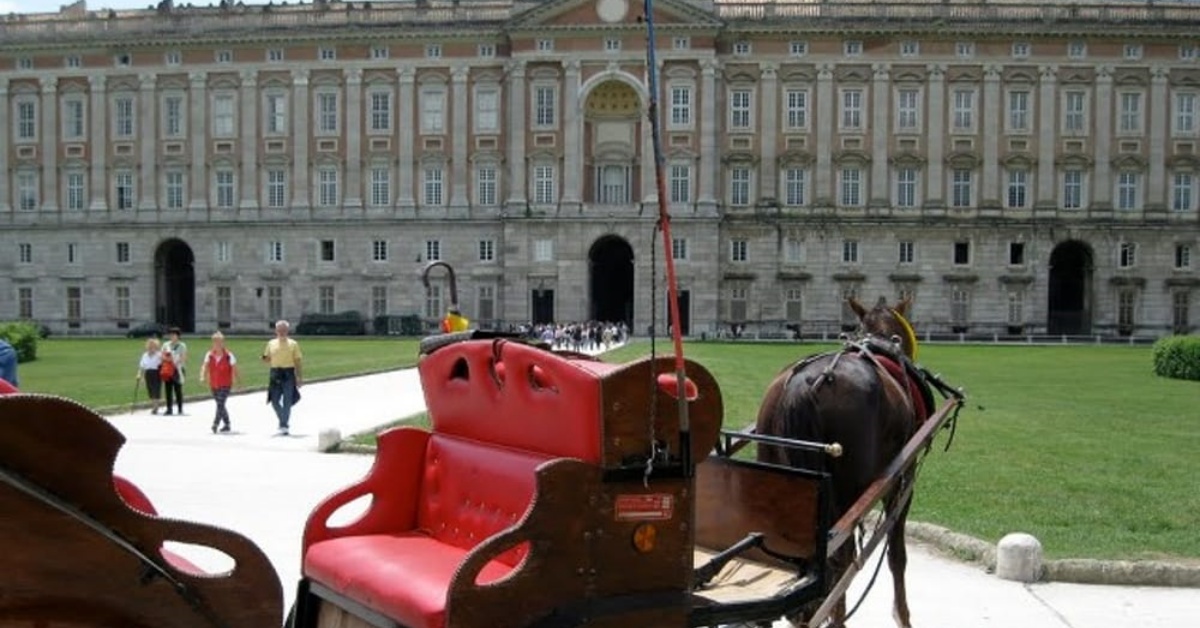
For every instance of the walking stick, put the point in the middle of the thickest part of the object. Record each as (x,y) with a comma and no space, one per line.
(137,383)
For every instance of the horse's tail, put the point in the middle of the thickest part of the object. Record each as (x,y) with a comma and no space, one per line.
(794,414)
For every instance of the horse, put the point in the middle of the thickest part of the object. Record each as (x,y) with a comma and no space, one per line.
(849,398)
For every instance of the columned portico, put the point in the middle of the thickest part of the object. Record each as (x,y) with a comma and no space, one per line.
(50,145)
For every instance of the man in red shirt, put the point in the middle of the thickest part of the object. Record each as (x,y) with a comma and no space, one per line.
(220,371)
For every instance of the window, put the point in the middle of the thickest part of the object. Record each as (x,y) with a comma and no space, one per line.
(123,186)
(327,113)
(379,251)
(276,112)
(1126,303)
(738,250)
(1128,192)
(1183,185)
(122,252)
(910,48)
(274,303)
(223,115)
(612,184)
(27,191)
(680,184)
(1074,111)
(432,185)
(1016,253)
(433,111)
(123,115)
(739,187)
(852,48)
(1180,304)
(852,102)
(1018,111)
(433,250)
(543,250)
(26,120)
(381,186)
(1185,113)
(906,188)
(275,55)
(960,188)
(544,185)
(545,45)
(174,189)
(1072,189)
(1018,189)
(487,109)
(612,44)
(681,43)
(487,250)
(224,180)
(486,51)
(1183,256)
(850,251)
(74,306)
(327,187)
(908,110)
(738,304)
(964,49)
(379,301)
(379,53)
(681,107)
(25,302)
(793,303)
(798,48)
(276,188)
(328,250)
(173,116)
(962,253)
(123,60)
(906,252)
(1187,52)
(545,106)
(325,300)
(1016,308)
(1127,255)
(851,187)
(1131,112)
(73,119)
(741,48)
(794,187)
(224,56)
(1132,52)
(1020,50)
(433,51)
(76,191)
(1076,49)
(173,57)
(433,302)
(223,253)
(793,251)
(224,306)
(796,104)
(381,112)
(485,302)
(960,308)
(73,61)
(740,109)
(679,248)
(25,253)
(486,193)
(326,53)
(964,110)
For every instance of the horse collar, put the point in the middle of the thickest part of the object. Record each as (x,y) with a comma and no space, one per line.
(909,334)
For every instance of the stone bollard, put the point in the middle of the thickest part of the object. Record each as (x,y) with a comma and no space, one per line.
(328,440)
(1019,557)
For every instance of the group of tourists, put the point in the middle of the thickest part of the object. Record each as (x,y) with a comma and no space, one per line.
(588,336)
(163,365)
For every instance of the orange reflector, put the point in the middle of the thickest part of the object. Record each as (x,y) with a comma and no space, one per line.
(644,538)
(669,384)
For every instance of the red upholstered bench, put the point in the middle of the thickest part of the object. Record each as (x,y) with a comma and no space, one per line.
(445,503)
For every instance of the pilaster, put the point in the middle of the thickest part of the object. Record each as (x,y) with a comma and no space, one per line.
(1047,133)
(993,110)
(405,103)
(1101,180)
(459,126)
(572,197)
(147,141)
(5,194)
(648,175)
(706,201)
(248,181)
(301,132)
(198,137)
(769,130)
(880,93)
(516,139)
(935,191)
(98,148)
(49,130)
(354,133)
(1159,107)
(826,121)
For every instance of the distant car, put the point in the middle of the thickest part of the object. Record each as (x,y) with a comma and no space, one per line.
(147,330)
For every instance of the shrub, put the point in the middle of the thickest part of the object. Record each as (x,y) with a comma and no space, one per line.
(1177,357)
(23,337)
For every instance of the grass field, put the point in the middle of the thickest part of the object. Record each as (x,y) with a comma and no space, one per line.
(1082,447)
(100,372)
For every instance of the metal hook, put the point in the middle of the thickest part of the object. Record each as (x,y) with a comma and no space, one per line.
(453,280)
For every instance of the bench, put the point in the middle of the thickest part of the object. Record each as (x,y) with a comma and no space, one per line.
(501,499)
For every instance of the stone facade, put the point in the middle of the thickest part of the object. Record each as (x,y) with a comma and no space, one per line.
(1009,169)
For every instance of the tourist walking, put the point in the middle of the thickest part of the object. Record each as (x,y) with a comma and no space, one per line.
(283,355)
(148,367)
(179,353)
(221,372)
(168,372)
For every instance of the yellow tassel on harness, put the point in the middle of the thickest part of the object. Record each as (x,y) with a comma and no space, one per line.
(909,334)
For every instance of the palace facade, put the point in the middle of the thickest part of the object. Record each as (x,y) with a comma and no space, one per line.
(1013,167)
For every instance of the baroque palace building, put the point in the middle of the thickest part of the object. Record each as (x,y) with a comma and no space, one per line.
(1014,167)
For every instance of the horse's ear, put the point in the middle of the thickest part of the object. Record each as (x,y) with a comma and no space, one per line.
(859,310)
(903,305)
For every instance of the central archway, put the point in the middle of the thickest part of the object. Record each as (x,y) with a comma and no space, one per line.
(1069,303)
(175,285)
(610,264)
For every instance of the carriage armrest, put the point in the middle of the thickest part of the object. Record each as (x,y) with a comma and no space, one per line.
(393,484)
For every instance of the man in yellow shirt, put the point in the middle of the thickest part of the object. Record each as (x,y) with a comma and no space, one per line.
(285,359)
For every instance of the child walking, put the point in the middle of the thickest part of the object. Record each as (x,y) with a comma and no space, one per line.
(220,371)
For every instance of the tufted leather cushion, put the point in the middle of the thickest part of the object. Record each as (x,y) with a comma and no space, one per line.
(528,399)
(403,576)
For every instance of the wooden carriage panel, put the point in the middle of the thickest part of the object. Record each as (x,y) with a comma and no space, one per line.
(734,499)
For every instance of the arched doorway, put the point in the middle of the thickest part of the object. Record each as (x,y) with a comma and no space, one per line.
(175,285)
(1070,299)
(610,262)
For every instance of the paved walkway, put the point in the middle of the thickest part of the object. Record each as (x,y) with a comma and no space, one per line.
(264,487)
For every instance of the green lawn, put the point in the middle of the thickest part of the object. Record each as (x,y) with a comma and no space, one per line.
(100,372)
(1082,447)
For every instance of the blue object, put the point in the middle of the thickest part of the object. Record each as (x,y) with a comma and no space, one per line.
(8,363)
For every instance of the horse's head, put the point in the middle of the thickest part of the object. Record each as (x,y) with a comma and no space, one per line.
(887,321)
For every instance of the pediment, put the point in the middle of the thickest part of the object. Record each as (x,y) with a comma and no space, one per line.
(1020,75)
(853,74)
(851,157)
(1073,76)
(682,154)
(582,14)
(1130,78)
(798,75)
(963,74)
(1189,78)
(1183,162)
(1018,161)
(909,159)
(741,157)
(963,160)
(796,158)
(909,75)
(1076,160)
(1129,162)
